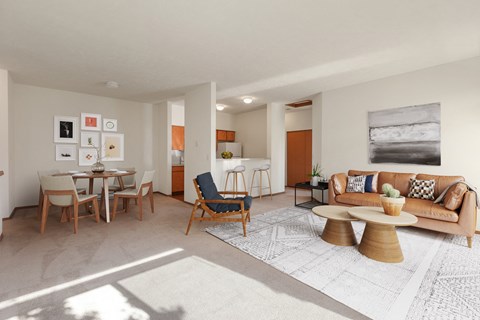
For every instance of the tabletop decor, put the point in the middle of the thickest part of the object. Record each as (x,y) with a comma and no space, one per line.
(392,201)
(315,175)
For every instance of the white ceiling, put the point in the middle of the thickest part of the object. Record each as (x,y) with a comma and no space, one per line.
(277,50)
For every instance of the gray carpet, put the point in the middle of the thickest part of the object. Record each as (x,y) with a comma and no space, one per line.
(439,278)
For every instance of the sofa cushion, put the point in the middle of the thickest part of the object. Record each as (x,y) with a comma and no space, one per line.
(339,181)
(421,189)
(441,182)
(360,199)
(356,184)
(454,197)
(366,173)
(400,181)
(428,209)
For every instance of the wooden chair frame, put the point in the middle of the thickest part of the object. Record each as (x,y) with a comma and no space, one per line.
(201,203)
(66,209)
(138,199)
(40,202)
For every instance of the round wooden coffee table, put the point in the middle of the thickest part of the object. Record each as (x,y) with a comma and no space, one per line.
(338,229)
(379,241)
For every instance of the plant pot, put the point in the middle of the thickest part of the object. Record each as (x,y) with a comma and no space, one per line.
(392,206)
(314,181)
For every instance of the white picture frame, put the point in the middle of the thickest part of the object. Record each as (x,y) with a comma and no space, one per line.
(87,156)
(65,152)
(112,146)
(90,139)
(91,121)
(110,125)
(65,129)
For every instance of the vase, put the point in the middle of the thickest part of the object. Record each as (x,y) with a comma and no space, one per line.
(98,167)
(392,206)
(314,181)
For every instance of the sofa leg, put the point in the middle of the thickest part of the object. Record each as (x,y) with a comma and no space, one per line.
(469,242)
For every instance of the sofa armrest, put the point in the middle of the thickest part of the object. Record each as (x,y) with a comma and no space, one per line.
(467,218)
(339,183)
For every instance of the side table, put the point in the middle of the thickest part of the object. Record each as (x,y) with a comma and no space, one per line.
(323,185)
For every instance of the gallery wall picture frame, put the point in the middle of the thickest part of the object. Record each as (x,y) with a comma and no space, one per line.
(87,156)
(112,146)
(91,121)
(110,125)
(65,152)
(65,129)
(90,139)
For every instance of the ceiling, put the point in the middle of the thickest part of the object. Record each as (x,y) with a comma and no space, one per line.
(275,51)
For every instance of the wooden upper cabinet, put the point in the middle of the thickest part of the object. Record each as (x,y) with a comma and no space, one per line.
(178,138)
(221,135)
(231,136)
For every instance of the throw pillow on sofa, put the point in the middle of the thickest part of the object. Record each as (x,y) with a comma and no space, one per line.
(454,196)
(356,184)
(421,189)
(370,183)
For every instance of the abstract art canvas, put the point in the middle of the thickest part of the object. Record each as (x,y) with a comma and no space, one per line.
(405,135)
(113,148)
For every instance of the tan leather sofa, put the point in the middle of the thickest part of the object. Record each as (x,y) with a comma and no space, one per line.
(430,215)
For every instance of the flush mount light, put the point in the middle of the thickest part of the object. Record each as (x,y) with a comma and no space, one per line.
(220,107)
(112,84)
(247,100)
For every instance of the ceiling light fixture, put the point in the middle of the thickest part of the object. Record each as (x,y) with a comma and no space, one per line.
(112,84)
(247,100)
(220,107)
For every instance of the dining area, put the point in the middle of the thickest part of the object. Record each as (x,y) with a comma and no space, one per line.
(60,189)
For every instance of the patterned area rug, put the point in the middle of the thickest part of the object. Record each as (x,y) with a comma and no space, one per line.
(439,278)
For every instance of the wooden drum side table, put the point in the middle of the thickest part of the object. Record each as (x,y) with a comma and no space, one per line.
(338,229)
(379,241)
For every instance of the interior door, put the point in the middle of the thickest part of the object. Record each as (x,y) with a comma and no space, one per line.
(299,156)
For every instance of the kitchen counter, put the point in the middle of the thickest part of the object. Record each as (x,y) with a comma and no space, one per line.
(250,163)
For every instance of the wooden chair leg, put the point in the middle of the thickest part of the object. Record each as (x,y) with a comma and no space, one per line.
(203,213)
(127,204)
(95,208)
(244,224)
(253,179)
(261,186)
(248,215)
(43,222)
(75,219)
(40,204)
(270,185)
(226,182)
(102,199)
(244,184)
(469,242)
(140,206)
(150,195)
(69,217)
(115,203)
(63,215)
(191,217)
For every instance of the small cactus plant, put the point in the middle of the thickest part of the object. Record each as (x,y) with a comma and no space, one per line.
(390,191)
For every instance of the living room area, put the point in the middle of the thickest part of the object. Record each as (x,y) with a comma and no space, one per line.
(393,91)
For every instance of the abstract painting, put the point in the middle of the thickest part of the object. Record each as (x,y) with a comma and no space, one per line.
(112,147)
(65,152)
(405,135)
(91,121)
(65,129)
(87,156)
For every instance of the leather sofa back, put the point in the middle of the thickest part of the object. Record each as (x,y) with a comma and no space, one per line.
(400,181)
(441,182)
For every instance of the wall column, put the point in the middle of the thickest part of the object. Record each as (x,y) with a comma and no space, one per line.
(200,126)
(317,137)
(276,140)
(6,203)
(162,133)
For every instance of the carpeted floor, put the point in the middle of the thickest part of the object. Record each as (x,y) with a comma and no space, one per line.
(439,278)
(147,270)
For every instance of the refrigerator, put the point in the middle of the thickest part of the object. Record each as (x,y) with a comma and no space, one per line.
(233,147)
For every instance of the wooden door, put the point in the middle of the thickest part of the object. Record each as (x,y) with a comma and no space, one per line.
(299,156)
(178,138)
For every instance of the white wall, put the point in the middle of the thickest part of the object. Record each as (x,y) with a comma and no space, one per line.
(251,131)
(35,108)
(276,147)
(178,115)
(225,121)
(200,135)
(456,86)
(296,120)
(162,146)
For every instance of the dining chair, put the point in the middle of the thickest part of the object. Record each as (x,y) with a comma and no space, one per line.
(60,191)
(128,183)
(219,209)
(42,173)
(146,188)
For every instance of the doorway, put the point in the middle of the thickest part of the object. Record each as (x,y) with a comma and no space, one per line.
(299,156)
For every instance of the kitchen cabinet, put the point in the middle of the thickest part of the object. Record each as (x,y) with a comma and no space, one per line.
(178,138)
(225,136)
(177,179)
(231,136)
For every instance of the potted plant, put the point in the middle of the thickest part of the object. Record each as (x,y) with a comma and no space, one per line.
(315,175)
(392,201)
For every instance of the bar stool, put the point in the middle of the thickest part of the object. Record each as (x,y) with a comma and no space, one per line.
(265,168)
(236,171)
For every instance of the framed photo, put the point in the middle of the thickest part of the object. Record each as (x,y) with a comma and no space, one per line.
(90,139)
(65,129)
(91,121)
(110,125)
(65,152)
(87,156)
(112,147)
